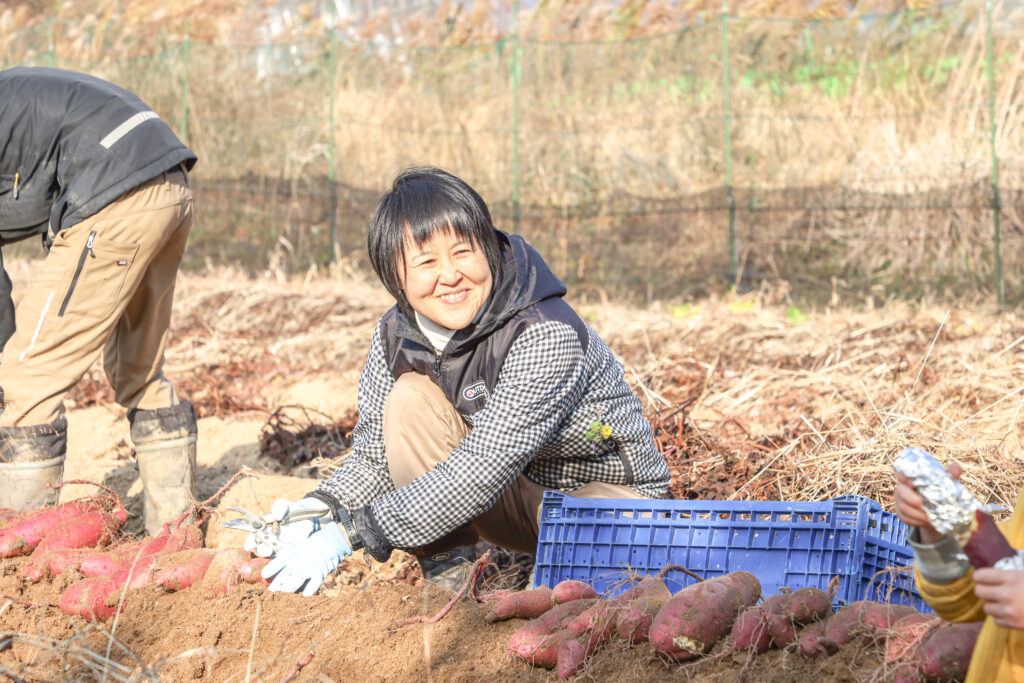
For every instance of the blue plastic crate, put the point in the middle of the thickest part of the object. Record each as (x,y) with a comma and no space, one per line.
(784,544)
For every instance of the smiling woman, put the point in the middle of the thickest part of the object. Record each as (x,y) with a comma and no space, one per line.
(446,279)
(481,391)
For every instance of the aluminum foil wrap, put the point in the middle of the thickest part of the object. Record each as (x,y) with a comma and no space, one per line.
(949,506)
(1013,562)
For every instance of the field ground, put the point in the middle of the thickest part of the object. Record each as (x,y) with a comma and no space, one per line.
(749,398)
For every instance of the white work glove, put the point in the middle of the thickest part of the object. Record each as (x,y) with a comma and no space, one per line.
(264,544)
(308,562)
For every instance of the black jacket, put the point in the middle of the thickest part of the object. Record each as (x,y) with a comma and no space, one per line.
(70,144)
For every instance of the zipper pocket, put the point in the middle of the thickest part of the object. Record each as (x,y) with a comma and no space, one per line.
(86,251)
(628,466)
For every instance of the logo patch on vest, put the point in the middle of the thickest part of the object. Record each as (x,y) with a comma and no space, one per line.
(474,391)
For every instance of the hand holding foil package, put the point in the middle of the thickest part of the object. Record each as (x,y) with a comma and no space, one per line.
(955,511)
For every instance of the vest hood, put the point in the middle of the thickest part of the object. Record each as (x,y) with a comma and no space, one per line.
(522,280)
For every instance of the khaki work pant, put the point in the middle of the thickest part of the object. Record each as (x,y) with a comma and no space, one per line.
(421,427)
(107,286)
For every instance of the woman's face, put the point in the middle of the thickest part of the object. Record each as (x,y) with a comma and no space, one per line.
(446,279)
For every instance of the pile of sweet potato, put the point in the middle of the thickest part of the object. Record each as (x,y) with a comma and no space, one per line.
(79,536)
(569,622)
(574,621)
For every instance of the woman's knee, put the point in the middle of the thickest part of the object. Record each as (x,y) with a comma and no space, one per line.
(414,397)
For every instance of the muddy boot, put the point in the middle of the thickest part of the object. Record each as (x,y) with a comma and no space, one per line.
(165,449)
(448,569)
(31,463)
(445,563)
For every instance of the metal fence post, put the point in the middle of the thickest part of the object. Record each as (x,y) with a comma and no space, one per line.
(184,88)
(332,190)
(730,200)
(996,239)
(517,74)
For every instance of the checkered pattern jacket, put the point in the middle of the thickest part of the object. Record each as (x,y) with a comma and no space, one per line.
(529,377)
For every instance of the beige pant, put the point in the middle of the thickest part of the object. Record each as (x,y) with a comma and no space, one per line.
(106,286)
(421,427)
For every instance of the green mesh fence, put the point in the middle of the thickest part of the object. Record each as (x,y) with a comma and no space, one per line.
(872,156)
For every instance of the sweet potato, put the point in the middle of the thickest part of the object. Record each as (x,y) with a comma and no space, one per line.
(44,564)
(543,648)
(537,640)
(986,544)
(842,627)
(601,618)
(105,563)
(526,604)
(87,598)
(586,633)
(573,652)
(223,572)
(796,609)
(946,653)
(633,623)
(572,589)
(651,587)
(96,599)
(865,620)
(750,630)
(179,570)
(699,615)
(907,634)
(627,614)
(252,571)
(775,621)
(25,532)
(878,619)
(812,640)
(88,530)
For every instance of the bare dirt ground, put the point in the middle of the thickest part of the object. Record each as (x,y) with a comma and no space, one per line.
(748,401)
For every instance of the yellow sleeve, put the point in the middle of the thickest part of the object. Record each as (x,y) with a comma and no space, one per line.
(954,601)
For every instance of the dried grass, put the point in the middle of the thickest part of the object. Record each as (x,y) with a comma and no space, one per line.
(619,114)
(746,403)
(820,409)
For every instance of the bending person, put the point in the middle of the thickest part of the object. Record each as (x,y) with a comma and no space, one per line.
(482,390)
(91,168)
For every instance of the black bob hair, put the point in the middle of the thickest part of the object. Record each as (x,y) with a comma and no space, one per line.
(424,201)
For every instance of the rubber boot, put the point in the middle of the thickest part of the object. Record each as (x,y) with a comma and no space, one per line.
(31,464)
(165,450)
(446,563)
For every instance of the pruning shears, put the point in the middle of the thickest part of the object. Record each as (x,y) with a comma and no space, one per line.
(268,531)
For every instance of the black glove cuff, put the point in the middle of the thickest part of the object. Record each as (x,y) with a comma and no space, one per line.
(372,535)
(327,500)
(340,515)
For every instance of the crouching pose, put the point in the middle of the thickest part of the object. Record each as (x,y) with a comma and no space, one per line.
(482,390)
(91,168)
